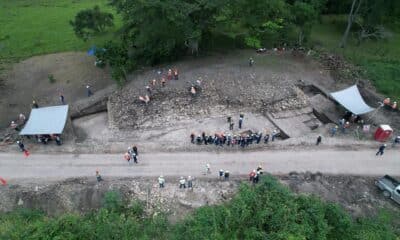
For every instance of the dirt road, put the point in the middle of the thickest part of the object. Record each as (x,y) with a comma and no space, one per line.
(60,166)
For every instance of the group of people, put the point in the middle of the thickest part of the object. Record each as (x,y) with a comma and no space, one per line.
(223,174)
(172,74)
(243,140)
(16,125)
(389,105)
(132,155)
(254,176)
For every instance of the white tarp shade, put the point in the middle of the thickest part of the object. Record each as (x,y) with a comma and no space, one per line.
(351,99)
(46,120)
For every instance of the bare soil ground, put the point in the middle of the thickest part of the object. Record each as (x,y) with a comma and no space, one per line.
(28,80)
(358,195)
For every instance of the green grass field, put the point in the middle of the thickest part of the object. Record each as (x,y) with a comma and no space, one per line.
(34,27)
(379,59)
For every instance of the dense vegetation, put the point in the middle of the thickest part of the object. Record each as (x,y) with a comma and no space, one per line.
(266,211)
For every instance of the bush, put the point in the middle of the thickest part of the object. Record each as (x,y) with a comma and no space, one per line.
(265,211)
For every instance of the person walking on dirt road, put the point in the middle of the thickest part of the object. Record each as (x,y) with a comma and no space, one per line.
(21,146)
(208,168)
(161,181)
(190,182)
(135,150)
(226,175)
(182,183)
(319,140)
(381,150)
(98,176)
(221,174)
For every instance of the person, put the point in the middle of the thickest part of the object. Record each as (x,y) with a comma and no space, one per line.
(190,182)
(251,62)
(58,140)
(98,176)
(153,82)
(89,91)
(21,146)
(198,139)
(221,173)
(319,139)
(148,89)
(259,169)
(176,76)
(193,90)
(386,101)
(208,169)
(135,150)
(256,177)
(252,175)
(259,137)
(346,126)
(334,130)
(14,126)
(127,157)
(240,121)
(34,104)
(192,137)
(169,74)
(182,183)
(21,119)
(226,175)
(62,99)
(231,124)
(396,141)
(381,150)
(229,119)
(274,132)
(161,181)
(134,156)
(163,81)
(266,138)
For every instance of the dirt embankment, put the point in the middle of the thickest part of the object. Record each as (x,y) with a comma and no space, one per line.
(358,195)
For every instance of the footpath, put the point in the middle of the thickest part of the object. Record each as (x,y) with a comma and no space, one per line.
(61,166)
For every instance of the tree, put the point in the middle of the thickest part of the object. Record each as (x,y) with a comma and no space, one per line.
(304,15)
(91,21)
(116,56)
(355,7)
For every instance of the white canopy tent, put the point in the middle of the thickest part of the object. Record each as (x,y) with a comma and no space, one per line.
(350,98)
(46,120)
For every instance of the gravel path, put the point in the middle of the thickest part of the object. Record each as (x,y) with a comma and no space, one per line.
(61,166)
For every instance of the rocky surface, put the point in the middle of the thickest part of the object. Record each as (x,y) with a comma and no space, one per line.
(356,194)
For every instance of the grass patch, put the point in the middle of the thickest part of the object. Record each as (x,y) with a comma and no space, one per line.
(35,27)
(380,60)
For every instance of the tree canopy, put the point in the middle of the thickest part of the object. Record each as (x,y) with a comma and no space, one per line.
(90,21)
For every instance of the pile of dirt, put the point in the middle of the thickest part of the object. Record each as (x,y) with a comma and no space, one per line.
(228,83)
(341,70)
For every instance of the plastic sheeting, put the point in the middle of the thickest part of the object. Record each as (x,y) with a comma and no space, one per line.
(350,98)
(46,120)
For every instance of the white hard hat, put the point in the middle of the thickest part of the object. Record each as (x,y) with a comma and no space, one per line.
(17,141)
